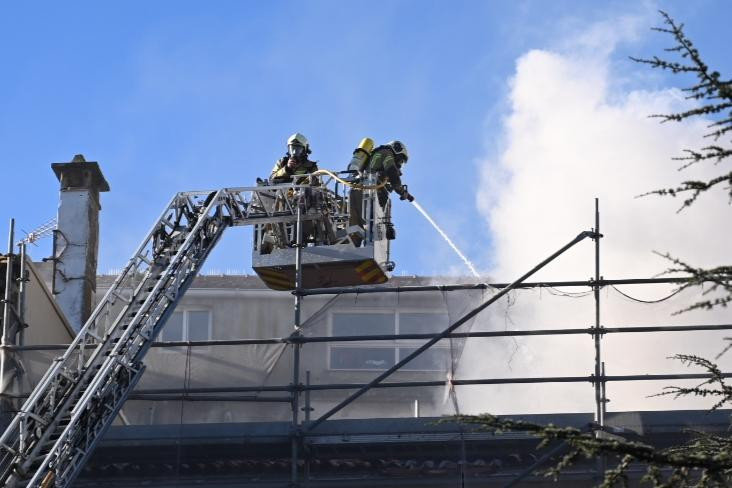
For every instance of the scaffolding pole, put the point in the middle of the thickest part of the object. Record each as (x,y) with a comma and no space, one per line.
(599,383)
(22,280)
(7,307)
(597,336)
(296,346)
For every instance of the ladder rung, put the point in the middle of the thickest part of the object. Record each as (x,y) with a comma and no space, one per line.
(167,222)
(144,335)
(93,335)
(34,416)
(9,449)
(121,297)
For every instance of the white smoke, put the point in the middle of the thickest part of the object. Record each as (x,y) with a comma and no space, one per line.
(572,134)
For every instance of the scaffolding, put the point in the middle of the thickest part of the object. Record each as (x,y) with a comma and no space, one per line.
(13,306)
(297,393)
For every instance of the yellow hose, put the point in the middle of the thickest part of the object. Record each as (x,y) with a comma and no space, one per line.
(357,186)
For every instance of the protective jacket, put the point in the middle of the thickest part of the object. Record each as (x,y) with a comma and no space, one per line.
(282,174)
(382,161)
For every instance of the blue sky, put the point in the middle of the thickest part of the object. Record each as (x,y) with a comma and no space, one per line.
(172,96)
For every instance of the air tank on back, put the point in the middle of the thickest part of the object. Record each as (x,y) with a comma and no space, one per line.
(361,154)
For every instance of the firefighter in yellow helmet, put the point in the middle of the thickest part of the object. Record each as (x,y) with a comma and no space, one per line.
(387,161)
(295,162)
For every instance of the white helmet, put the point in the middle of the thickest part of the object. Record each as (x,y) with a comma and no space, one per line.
(399,150)
(298,138)
(297,145)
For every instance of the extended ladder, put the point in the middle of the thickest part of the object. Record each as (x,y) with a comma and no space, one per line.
(56,430)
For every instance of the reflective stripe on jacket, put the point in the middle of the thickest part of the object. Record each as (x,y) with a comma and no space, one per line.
(382,161)
(382,158)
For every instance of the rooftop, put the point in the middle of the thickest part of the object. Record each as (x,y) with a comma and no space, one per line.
(366,452)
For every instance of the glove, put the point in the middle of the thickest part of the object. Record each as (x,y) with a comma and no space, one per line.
(404,194)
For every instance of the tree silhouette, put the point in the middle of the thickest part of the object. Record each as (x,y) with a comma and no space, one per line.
(715,103)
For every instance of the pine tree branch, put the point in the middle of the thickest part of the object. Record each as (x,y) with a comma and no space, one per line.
(716,97)
(715,386)
(586,443)
(719,277)
(696,187)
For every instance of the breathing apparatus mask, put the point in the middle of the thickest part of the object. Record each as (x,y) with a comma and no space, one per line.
(400,152)
(296,151)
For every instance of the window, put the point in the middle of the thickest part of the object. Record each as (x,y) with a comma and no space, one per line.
(422,322)
(361,357)
(187,325)
(436,358)
(347,324)
(373,355)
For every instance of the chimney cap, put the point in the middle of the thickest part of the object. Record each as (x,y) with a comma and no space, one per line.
(80,173)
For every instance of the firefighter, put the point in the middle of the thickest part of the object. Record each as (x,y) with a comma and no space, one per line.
(387,161)
(293,165)
(295,161)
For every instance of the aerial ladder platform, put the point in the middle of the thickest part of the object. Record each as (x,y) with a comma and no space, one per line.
(55,431)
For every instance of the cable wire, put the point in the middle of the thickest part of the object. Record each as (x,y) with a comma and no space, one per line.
(560,293)
(676,292)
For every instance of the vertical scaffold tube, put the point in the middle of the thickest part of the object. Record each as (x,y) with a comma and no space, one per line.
(599,365)
(296,348)
(6,305)
(21,296)
(597,336)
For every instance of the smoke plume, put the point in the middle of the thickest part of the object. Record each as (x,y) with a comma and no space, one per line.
(575,132)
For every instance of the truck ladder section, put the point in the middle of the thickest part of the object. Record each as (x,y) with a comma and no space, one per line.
(55,431)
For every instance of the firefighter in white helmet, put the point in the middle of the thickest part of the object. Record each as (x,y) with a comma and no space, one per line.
(295,162)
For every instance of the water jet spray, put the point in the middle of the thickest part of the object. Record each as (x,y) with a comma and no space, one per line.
(447,239)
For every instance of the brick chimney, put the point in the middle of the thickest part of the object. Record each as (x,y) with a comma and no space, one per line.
(76,240)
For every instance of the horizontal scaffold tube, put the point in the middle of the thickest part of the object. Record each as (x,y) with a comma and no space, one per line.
(468,382)
(484,286)
(196,394)
(184,395)
(393,337)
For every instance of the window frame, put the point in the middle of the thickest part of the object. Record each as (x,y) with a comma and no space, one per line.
(185,311)
(402,344)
